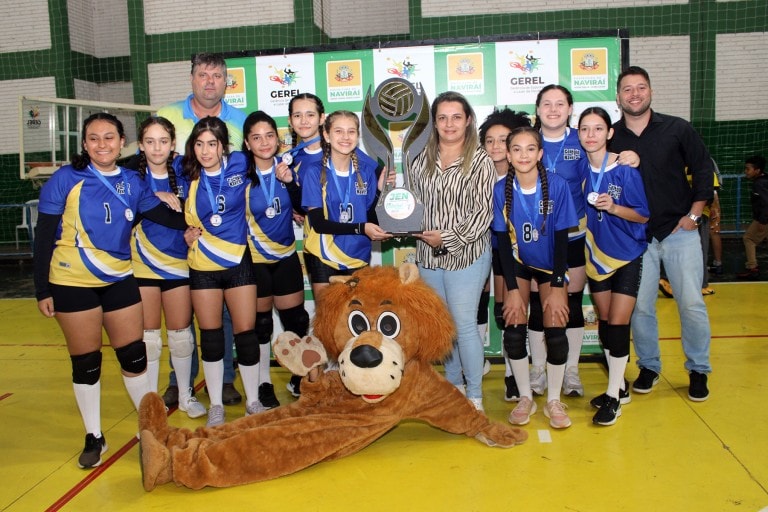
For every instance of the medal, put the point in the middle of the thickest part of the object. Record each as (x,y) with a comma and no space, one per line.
(592,197)
(129,215)
(216,220)
(344,217)
(270,212)
(535,235)
(287,158)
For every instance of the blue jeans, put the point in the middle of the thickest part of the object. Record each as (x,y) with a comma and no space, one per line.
(680,253)
(229,367)
(460,289)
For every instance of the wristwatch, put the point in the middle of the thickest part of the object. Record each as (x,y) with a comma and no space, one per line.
(695,218)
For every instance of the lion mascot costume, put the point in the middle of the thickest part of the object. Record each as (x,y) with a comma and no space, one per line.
(384,327)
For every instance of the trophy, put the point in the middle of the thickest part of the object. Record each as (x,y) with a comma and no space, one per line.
(399,211)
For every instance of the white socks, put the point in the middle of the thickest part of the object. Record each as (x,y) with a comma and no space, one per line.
(88,397)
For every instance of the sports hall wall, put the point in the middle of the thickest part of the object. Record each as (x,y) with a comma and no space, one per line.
(705,57)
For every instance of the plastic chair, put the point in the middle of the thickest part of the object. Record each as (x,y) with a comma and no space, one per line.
(28,220)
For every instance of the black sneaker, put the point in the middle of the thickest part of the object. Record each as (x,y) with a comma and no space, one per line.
(267,396)
(697,390)
(624,397)
(171,396)
(645,381)
(94,449)
(511,393)
(230,395)
(294,386)
(607,414)
(716,270)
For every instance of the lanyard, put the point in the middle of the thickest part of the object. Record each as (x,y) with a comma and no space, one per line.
(345,199)
(211,198)
(269,196)
(552,164)
(299,147)
(536,199)
(112,189)
(596,185)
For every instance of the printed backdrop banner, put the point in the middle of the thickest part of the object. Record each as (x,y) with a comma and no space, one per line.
(490,74)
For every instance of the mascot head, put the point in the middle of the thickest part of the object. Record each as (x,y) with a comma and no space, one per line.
(377,321)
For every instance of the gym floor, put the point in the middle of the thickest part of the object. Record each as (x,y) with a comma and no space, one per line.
(664,453)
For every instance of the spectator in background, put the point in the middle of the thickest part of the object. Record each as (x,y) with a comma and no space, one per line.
(754,169)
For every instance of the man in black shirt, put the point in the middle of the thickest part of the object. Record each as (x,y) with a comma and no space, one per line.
(667,145)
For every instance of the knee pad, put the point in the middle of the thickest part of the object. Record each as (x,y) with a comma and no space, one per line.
(514,342)
(264,327)
(295,319)
(536,315)
(154,344)
(212,344)
(181,343)
(132,357)
(576,313)
(498,315)
(247,345)
(482,307)
(557,345)
(619,336)
(86,368)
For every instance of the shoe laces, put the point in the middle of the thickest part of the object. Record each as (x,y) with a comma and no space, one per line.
(557,408)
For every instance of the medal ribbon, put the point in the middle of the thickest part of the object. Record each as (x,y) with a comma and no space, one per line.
(552,164)
(211,198)
(536,200)
(596,185)
(295,151)
(269,196)
(103,179)
(345,198)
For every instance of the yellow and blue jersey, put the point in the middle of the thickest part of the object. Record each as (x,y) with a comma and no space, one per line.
(612,242)
(341,252)
(224,230)
(530,245)
(565,158)
(93,245)
(159,252)
(269,239)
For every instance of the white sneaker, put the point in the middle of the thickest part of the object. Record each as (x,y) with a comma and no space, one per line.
(192,407)
(572,383)
(486,367)
(538,380)
(216,416)
(478,403)
(254,407)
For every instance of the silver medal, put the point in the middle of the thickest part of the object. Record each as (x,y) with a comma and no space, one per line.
(592,197)
(535,235)
(129,215)
(216,219)
(270,212)
(344,216)
(287,158)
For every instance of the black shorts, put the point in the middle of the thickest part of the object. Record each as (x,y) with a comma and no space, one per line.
(114,296)
(163,284)
(241,275)
(319,272)
(530,274)
(283,277)
(577,257)
(626,280)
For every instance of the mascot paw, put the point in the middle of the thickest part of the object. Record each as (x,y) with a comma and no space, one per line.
(501,436)
(152,414)
(299,355)
(155,460)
